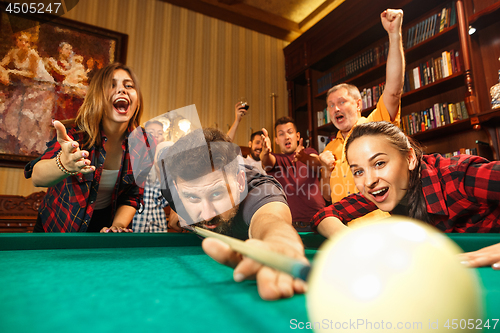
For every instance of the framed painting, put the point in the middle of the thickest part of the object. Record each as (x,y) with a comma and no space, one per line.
(46,65)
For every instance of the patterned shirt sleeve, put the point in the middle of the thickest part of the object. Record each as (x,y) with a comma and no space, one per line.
(482,180)
(347,209)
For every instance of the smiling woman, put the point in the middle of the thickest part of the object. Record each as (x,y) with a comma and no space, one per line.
(87,167)
(458,194)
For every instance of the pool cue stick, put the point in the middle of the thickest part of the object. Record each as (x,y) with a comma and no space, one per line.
(266,257)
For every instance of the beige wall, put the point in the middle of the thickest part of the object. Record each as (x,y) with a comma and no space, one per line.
(184,58)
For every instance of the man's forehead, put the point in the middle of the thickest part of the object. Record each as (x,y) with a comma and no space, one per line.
(340,93)
(211,180)
(257,138)
(285,127)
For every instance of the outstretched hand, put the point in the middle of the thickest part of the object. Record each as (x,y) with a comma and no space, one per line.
(72,158)
(488,256)
(271,284)
(115,229)
(392,20)
(266,142)
(300,154)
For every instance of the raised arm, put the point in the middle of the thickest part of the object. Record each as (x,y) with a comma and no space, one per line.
(239,112)
(392,20)
(267,159)
(270,228)
(47,173)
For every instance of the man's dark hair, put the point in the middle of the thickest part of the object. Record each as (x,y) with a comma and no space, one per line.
(199,153)
(259,133)
(283,121)
(193,156)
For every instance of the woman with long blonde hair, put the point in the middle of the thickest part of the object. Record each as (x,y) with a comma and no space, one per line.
(88,167)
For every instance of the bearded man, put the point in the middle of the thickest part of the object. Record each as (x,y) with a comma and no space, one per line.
(208,184)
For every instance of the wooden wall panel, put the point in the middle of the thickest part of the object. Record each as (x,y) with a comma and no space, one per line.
(182,58)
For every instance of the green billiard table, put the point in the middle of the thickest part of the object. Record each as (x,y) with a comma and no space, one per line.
(150,283)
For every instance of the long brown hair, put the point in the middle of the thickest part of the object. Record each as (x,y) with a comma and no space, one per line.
(414,194)
(97,101)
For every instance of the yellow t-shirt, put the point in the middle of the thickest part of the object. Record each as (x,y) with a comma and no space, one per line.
(341,180)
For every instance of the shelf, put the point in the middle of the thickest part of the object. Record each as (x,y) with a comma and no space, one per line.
(485,17)
(492,115)
(327,55)
(438,41)
(368,75)
(321,95)
(439,132)
(327,128)
(448,83)
(301,106)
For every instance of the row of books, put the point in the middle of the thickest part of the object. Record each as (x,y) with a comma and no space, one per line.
(416,34)
(438,115)
(324,83)
(323,117)
(362,62)
(367,59)
(432,25)
(432,70)
(370,96)
(468,151)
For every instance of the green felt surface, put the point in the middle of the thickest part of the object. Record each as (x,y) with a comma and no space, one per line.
(144,283)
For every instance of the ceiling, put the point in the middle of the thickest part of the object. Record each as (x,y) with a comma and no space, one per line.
(283,19)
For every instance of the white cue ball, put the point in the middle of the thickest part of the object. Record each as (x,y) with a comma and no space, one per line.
(394,274)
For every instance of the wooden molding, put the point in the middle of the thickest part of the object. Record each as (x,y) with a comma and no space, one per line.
(16,205)
(320,12)
(243,15)
(18,213)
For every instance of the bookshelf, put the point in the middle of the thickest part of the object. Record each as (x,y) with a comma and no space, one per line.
(339,49)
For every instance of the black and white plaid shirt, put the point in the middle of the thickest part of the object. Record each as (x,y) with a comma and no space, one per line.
(153,218)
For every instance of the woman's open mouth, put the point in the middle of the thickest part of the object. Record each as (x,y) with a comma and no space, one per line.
(121,105)
(380,194)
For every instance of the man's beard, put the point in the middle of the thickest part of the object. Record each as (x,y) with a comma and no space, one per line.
(253,153)
(224,224)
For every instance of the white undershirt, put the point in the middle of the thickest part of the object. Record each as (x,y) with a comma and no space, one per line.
(106,186)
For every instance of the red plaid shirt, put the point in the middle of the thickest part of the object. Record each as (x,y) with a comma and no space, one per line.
(68,206)
(462,194)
